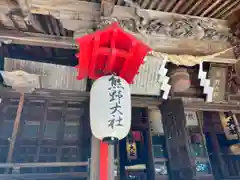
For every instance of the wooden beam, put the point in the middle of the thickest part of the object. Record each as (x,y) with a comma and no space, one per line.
(235,9)
(64,57)
(87,11)
(72,9)
(192,104)
(82,13)
(94,166)
(85,16)
(35,39)
(45,175)
(43,164)
(158,43)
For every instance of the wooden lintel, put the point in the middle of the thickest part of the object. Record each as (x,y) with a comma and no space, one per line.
(45,175)
(83,15)
(44,164)
(207,38)
(65,57)
(35,39)
(71,7)
(137,101)
(161,44)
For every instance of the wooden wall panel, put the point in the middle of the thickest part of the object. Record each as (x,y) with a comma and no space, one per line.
(50,131)
(52,76)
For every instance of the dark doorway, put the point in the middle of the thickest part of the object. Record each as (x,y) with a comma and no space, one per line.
(133,150)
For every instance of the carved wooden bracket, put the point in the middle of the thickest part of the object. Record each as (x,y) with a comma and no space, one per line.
(107,7)
(22,9)
(170,25)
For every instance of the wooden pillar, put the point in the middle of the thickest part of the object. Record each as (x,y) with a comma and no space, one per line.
(95,154)
(110,162)
(86,134)
(15,131)
(175,131)
(155,120)
(217,158)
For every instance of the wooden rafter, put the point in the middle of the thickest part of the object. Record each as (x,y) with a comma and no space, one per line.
(85,16)
(75,14)
(234,17)
(73,10)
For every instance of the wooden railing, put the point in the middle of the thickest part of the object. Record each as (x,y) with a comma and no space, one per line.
(229,169)
(18,170)
(231,166)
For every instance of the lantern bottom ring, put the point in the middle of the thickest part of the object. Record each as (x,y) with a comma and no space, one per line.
(110,140)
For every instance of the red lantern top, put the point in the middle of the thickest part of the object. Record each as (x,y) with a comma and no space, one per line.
(109,51)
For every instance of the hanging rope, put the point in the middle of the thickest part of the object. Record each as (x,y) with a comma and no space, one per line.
(185,60)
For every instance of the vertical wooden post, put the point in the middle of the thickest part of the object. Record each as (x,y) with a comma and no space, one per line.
(85,133)
(151,164)
(60,132)
(102,160)
(209,116)
(95,157)
(175,131)
(110,162)
(40,135)
(15,130)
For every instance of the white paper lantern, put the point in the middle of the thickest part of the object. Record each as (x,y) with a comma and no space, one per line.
(110,108)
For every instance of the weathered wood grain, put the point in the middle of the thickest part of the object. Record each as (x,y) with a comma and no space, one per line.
(84,16)
(176,138)
(88,11)
(51,76)
(107,7)
(162,44)
(191,104)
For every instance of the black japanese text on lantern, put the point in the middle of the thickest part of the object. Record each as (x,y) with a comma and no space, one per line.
(116,94)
